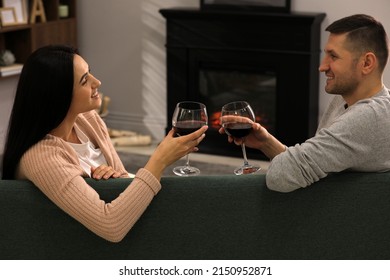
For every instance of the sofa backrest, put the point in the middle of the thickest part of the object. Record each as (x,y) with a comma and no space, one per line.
(345,216)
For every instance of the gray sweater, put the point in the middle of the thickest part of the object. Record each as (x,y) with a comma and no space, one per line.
(356,138)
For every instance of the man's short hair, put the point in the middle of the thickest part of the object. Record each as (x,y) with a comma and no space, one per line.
(364,34)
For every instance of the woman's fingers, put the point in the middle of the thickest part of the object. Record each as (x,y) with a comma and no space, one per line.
(104,172)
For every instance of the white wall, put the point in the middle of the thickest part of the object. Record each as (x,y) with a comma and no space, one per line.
(124,43)
(125,48)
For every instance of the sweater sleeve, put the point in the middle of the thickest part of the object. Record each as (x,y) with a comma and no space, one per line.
(352,142)
(59,177)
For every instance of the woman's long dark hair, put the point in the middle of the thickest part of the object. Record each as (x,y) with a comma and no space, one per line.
(42,100)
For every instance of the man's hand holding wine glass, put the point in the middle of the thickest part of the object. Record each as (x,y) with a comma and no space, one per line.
(259,138)
(237,119)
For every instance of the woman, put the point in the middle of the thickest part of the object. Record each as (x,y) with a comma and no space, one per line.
(56,139)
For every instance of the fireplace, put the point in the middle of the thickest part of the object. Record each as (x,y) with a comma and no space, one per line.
(270,60)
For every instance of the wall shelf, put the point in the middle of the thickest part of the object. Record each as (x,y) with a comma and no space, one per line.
(23,39)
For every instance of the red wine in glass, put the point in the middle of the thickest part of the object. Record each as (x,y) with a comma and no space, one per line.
(187,127)
(188,117)
(238,130)
(237,118)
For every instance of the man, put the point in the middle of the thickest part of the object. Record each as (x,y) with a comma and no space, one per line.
(354,132)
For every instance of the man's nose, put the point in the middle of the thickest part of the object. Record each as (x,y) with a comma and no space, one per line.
(324,66)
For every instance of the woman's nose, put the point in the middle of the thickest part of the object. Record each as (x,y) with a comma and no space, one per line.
(96,82)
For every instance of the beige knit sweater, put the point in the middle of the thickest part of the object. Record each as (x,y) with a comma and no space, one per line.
(53,166)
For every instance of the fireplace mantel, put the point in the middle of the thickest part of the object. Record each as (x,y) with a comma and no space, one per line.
(284,32)
(287,43)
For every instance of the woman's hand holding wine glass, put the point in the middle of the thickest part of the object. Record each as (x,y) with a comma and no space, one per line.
(172,148)
(187,118)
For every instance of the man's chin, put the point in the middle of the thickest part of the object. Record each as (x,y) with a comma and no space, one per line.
(328,90)
(331,90)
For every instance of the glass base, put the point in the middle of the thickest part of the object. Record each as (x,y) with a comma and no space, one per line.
(246,169)
(186,171)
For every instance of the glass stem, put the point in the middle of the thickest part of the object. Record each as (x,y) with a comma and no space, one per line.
(187,161)
(244,154)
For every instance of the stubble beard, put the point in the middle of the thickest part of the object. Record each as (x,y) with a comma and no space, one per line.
(343,85)
(344,88)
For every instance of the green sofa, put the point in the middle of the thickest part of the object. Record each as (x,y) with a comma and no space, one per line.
(345,216)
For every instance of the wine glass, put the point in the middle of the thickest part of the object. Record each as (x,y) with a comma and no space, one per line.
(238,125)
(188,117)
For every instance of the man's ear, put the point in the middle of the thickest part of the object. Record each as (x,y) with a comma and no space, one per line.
(369,63)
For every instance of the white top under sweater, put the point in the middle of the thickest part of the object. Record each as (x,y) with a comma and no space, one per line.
(87,153)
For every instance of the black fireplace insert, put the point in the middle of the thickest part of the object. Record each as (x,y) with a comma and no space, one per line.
(270,60)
